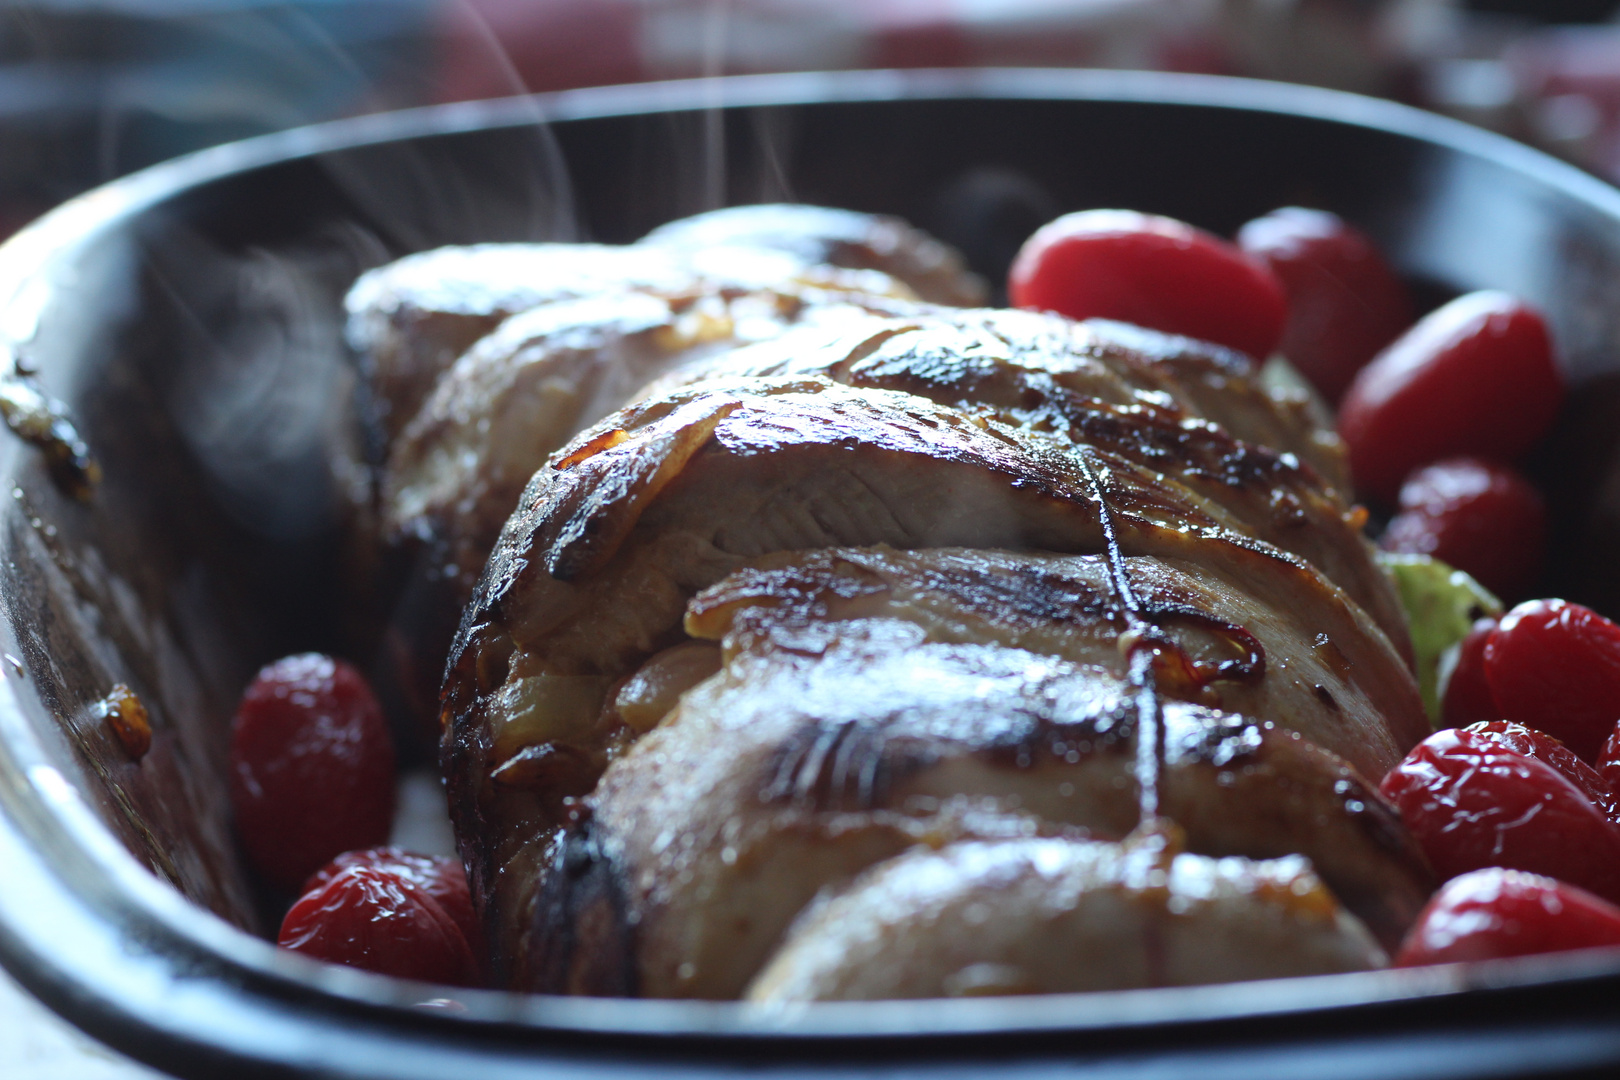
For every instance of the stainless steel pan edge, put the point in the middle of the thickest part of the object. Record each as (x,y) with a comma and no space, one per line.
(124,955)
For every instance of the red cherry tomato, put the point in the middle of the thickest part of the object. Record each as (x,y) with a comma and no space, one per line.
(1480,517)
(1494,913)
(1344,301)
(372,918)
(441,878)
(1555,666)
(1544,748)
(312,767)
(1472,803)
(1474,377)
(1152,271)
(1467,699)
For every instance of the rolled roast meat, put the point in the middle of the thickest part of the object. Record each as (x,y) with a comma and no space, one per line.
(879,647)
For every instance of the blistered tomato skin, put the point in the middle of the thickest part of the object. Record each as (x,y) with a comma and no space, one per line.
(1544,748)
(1555,666)
(1471,803)
(371,918)
(1479,516)
(1475,377)
(1494,913)
(1608,764)
(442,878)
(1151,271)
(1344,301)
(312,767)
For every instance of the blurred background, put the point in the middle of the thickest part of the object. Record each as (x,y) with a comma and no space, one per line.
(93,89)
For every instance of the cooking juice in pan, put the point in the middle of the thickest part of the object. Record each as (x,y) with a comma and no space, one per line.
(850,626)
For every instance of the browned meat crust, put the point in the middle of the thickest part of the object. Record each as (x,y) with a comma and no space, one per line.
(1075,381)
(455,472)
(612,539)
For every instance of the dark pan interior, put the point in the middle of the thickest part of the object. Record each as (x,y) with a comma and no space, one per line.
(190,317)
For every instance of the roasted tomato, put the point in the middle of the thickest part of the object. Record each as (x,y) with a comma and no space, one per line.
(1152,271)
(1494,912)
(1478,516)
(1344,301)
(372,918)
(442,878)
(1467,699)
(1476,377)
(1555,666)
(1472,801)
(312,767)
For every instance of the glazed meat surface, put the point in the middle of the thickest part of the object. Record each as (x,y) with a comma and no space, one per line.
(776,778)
(594,574)
(1048,375)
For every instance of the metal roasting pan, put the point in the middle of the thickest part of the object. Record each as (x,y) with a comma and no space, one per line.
(189,317)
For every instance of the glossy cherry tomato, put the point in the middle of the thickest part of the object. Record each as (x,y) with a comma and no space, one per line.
(1475,377)
(1544,748)
(312,767)
(1494,913)
(1344,301)
(1478,516)
(1152,271)
(442,878)
(372,918)
(1472,802)
(1555,666)
(1467,699)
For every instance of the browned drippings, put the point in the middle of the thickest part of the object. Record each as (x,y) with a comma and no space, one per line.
(547,767)
(605,441)
(37,419)
(127,717)
(1247,662)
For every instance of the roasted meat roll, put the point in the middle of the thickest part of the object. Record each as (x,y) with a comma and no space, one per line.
(935,579)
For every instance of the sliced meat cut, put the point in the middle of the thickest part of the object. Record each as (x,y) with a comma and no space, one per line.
(1055,916)
(967,360)
(1222,645)
(411,319)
